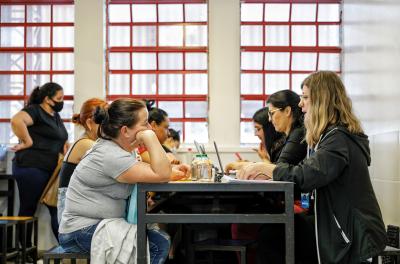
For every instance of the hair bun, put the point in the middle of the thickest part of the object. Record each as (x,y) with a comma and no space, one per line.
(76,118)
(100,116)
(149,104)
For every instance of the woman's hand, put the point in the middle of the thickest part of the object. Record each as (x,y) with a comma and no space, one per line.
(237,165)
(22,145)
(172,159)
(257,171)
(144,137)
(179,172)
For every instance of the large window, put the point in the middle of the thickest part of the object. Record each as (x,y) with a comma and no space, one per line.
(36,46)
(158,50)
(281,43)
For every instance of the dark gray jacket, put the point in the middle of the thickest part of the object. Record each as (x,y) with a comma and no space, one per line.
(350,226)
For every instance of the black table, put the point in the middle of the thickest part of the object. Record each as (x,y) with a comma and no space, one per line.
(144,217)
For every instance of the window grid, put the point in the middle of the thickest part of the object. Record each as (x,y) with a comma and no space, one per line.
(185,96)
(261,95)
(33,53)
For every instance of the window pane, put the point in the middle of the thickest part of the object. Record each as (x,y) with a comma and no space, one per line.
(297,80)
(251,12)
(196,109)
(304,61)
(38,13)
(6,135)
(119,36)
(328,35)
(177,126)
(11,62)
(119,61)
(252,60)
(195,12)
(196,36)
(63,36)
(144,61)
(196,131)
(170,61)
(251,83)
(118,84)
(63,61)
(277,35)
(11,84)
(144,13)
(303,35)
(38,37)
(196,83)
(12,13)
(66,81)
(247,133)
(33,81)
(63,13)
(170,84)
(276,82)
(119,13)
(329,61)
(171,36)
(277,12)
(196,61)
(251,35)
(10,108)
(277,60)
(249,108)
(143,84)
(304,12)
(329,12)
(68,110)
(38,61)
(170,13)
(144,36)
(12,36)
(174,109)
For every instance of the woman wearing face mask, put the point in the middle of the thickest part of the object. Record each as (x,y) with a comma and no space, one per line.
(85,120)
(42,136)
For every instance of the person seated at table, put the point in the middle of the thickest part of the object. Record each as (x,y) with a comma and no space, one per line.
(75,153)
(103,180)
(348,219)
(173,140)
(159,122)
(271,141)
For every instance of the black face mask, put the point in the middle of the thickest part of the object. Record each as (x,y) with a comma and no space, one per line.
(58,106)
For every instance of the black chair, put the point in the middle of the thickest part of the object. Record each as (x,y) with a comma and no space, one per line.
(389,251)
(7,252)
(57,254)
(391,254)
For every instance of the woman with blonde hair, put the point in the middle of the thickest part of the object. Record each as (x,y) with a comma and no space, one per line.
(347,213)
(85,142)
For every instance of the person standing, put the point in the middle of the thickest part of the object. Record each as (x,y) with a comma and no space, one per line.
(42,136)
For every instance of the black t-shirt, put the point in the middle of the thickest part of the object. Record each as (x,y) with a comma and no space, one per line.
(48,134)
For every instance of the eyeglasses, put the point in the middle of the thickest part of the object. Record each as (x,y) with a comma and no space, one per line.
(271,113)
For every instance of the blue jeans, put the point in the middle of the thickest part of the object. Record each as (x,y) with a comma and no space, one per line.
(81,240)
(78,241)
(159,244)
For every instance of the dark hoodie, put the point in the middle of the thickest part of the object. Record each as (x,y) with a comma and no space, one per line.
(349,222)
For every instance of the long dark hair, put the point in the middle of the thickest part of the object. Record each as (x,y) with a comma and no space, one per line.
(285,98)
(155,114)
(40,92)
(273,140)
(122,112)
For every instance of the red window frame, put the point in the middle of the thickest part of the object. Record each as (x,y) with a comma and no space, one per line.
(157,49)
(288,49)
(26,50)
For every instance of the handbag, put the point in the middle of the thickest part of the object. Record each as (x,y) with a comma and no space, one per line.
(50,194)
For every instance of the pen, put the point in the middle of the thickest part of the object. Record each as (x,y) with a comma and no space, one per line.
(238,156)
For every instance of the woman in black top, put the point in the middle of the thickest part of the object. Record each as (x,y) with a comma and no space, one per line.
(42,136)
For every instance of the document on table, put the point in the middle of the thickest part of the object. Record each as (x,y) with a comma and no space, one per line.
(228,179)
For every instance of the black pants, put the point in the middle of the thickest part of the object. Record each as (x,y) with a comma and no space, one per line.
(271,242)
(31,183)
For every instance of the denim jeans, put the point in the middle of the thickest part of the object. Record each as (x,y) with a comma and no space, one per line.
(78,241)
(159,244)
